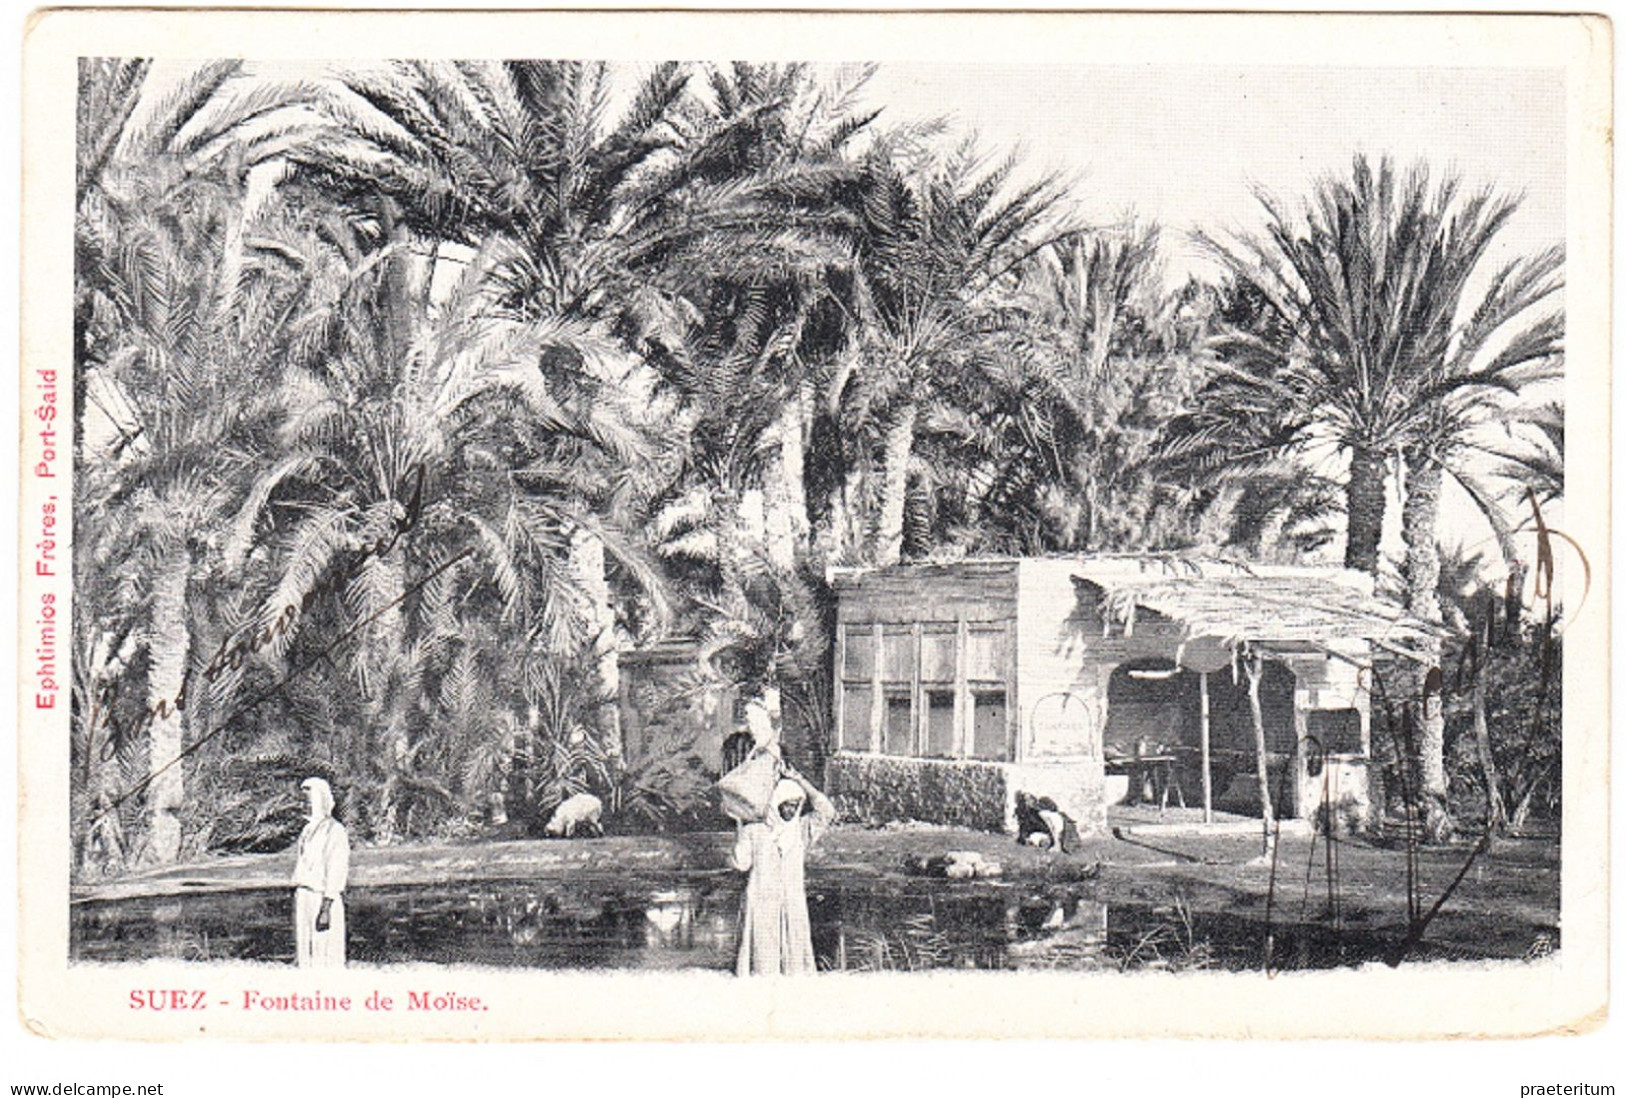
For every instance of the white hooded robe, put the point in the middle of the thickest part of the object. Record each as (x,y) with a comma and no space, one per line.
(321,870)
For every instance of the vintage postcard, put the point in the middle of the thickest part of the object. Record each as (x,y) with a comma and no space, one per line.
(815,525)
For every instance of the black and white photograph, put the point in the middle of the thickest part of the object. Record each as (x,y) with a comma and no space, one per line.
(791,525)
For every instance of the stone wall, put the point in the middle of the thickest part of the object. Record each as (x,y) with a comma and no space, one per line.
(668,704)
(1239,795)
(964,792)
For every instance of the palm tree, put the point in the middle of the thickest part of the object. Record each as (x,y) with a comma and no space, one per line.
(180,354)
(595,222)
(765,334)
(471,432)
(164,329)
(1051,439)
(1364,327)
(939,238)
(1376,332)
(137,124)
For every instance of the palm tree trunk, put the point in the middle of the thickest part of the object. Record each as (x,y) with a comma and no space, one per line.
(170,646)
(1266,809)
(252,191)
(1368,476)
(1100,332)
(1424,477)
(1420,516)
(844,533)
(1526,802)
(899,449)
(386,704)
(83,316)
(587,563)
(834,533)
(108,661)
(1494,807)
(784,494)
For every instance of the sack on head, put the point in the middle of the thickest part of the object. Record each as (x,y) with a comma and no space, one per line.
(747,789)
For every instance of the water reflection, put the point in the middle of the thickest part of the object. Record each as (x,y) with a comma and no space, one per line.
(912,929)
(692,922)
(618,923)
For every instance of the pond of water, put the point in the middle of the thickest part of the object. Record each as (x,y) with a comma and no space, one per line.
(691,921)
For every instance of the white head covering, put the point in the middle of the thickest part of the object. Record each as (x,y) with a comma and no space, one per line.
(784,792)
(321,798)
(784,831)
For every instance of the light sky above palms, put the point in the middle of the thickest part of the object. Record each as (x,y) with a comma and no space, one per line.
(1185,146)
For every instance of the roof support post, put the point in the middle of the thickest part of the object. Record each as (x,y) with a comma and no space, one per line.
(1254,666)
(1207,753)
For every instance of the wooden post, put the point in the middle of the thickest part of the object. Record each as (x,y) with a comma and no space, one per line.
(1012,702)
(916,695)
(840,687)
(964,710)
(1255,674)
(1207,753)
(877,690)
(1302,789)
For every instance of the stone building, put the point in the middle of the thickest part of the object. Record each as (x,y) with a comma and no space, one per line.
(959,685)
(671,701)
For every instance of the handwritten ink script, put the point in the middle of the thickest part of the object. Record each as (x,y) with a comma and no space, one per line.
(236,649)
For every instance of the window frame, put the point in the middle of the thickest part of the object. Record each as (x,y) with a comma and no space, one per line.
(882,690)
(932,686)
(1003,631)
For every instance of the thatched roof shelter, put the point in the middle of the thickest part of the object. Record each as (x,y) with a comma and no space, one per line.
(1267,608)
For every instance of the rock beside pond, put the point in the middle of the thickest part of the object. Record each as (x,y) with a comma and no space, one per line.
(954,865)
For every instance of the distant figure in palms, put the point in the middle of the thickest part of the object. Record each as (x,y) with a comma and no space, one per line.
(104,845)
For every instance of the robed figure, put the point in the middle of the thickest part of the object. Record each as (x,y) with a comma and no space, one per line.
(775,932)
(320,872)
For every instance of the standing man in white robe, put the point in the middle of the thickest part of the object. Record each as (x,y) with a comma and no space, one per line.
(775,937)
(321,870)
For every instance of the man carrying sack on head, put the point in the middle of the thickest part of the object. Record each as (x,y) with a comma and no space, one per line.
(766,796)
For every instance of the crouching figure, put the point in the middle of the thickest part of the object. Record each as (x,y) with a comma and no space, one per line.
(775,936)
(1040,822)
(580,811)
